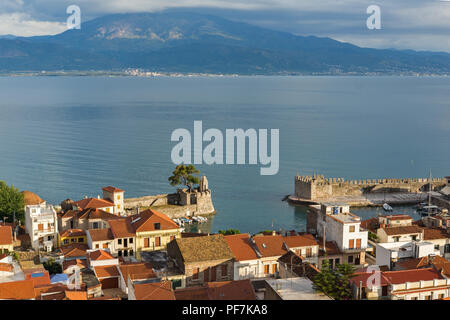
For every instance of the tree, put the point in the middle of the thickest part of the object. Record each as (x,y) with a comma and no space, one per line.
(335,283)
(325,280)
(11,202)
(52,266)
(229,232)
(184,175)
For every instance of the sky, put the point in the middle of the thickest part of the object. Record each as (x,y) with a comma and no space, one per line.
(405,24)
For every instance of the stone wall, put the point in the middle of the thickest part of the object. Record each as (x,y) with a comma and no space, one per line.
(318,187)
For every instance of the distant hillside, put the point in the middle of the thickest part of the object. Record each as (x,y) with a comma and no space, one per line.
(189,42)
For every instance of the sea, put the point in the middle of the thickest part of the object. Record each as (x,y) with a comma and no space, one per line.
(67,137)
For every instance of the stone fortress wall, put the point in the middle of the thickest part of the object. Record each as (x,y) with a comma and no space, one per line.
(175,205)
(317,187)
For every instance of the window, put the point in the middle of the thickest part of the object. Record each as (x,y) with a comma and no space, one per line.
(73,240)
(274,268)
(172,238)
(447,248)
(118,197)
(118,206)
(97,246)
(224,270)
(125,253)
(125,242)
(351,229)
(414,237)
(120,253)
(308,252)
(80,240)
(95,225)
(131,253)
(130,240)
(157,226)
(105,245)
(441,296)
(436,247)
(195,273)
(107,209)
(266,269)
(396,239)
(157,241)
(351,244)
(66,241)
(414,298)
(146,242)
(358,243)
(428,297)
(119,241)
(350,259)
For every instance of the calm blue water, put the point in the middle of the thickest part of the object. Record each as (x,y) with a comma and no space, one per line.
(66,137)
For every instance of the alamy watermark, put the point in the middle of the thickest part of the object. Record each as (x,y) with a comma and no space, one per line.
(374,20)
(235,147)
(74,20)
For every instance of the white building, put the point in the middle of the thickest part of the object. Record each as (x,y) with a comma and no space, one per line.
(335,222)
(41,224)
(390,252)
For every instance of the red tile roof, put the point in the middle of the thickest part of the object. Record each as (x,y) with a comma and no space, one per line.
(101,234)
(270,246)
(146,220)
(397,277)
(240,245)
(392,231)
(231,290)
(72,233)
(75,295)
(100,255)
(74,250)
(81,263)
(362,279)
(154,291)
(106,271)
(112,189)
(95,213)
(397,217)
(93,203)
(435,233)
(121,228)
(304,240)
(17,290)
(6,235)
(133,269)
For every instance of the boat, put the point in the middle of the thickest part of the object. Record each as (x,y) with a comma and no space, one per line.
(387,207)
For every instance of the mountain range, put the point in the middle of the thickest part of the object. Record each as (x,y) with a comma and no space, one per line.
(197,43)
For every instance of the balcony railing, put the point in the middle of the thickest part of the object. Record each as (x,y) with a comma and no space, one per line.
(355,249)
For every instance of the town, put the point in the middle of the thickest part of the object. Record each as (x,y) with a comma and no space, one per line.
(98,249)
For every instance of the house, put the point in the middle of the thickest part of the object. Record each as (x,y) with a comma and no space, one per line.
(68,265)
(400,234)
(394,220)
(124,238)
(292,289)
(291,265)
(246,258)
(6,239)
(151,291)
(90,218)
(71,236)
(389,253)
(440,264)
(41,224)
(329,250)
(335,222)
(112,201)
(440,238)
(100,238)
(153,230)
(74,251)
(108,275)
(415,284)
(220,290)
(202,259)
(129,272)
(101,258)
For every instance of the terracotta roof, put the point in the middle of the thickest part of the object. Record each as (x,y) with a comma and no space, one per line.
(72,233)
(146,220)
(105,298)
(392,231)
(330,246)
(361,279)
(121,228)
(304,240)
(106,271)
(154,291)
(224,290)
(39,277)
(370,224)
(207,248)
(441,264)
(69,214)
(93,203)
(270,246)
(398,217)
(75,295)
(95,213)
(240,245)
(74,250)
(435,233)
(408,264)
(132,269)
(112,189)
(101,234)
(81,263)
(397,277)
(6,235)
(100,255)
(17,290)
(231,290)
(31,198)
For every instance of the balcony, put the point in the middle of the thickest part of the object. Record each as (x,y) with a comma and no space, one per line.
(356,249)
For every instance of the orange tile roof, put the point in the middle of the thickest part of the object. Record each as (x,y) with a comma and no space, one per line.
(95,213)
(192,293)
(100,255)
(42,280)
(304,240)
(145,221)
(6,267)
(106,271)
(31,198)
(6,235)
(75,295)
(270,246)
(121,228)
(17,290)
(132,269)
(361,279)
(435,233)
(240,245)
(397,217)
(93,203)
(154,291)
(72,233)
(330,246)
(112,189)
(414,275)
(74,250)
(231,290)
(391,231)
(81,263)
(101,234)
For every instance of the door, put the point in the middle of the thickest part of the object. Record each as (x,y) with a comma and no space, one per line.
(351,244)
(158,241)
(40,227)
(146,242)
(358,243)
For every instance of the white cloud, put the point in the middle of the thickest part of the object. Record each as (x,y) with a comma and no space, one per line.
(21,24)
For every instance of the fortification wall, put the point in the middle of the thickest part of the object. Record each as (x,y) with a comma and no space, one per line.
(318,187)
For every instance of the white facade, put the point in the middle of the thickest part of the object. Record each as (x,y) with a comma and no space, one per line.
(386,253)
(421,290)
(41,224)
(116,197)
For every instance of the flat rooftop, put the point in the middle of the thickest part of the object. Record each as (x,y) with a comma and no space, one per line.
(296,289)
